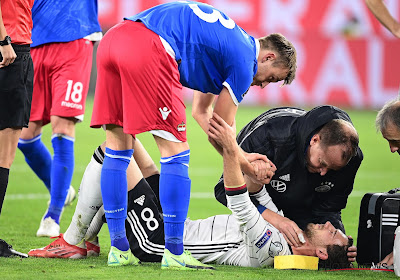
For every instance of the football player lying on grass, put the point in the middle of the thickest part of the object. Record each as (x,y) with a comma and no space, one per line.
(243,238)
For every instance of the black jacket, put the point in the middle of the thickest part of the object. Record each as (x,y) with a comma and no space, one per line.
(283,135)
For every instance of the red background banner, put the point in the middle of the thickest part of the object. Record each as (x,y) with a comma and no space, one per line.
(345,57)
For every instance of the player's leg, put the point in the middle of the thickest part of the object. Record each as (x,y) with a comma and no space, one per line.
(144,224)
(148,168)
(62,169)
(15,104)
(72,243)
(71,64)
(36,153)
(174,197)
(174,191)
(114,188)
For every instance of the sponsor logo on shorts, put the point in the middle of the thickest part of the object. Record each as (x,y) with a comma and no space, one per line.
(71,105)
(279,186)
(140,200)
(164,112)
(324,187)
(181,127)
(263,240)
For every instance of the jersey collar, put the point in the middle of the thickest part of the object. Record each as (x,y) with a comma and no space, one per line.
(257,47)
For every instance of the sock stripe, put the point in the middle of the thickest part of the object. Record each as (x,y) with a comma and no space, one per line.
(98,155)
(117,156)
(28,141)
(235,190)
(168,159)
(55,135)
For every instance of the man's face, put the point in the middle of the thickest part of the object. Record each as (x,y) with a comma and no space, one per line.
(321,159)
(266,73)
(392,135)
(323,235)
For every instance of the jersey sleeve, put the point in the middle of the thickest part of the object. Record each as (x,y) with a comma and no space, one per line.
(239,80)
(265,200)
(263,240)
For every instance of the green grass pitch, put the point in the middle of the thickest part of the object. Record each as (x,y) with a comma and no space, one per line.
(26,202)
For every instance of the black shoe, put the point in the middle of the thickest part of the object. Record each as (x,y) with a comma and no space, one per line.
(7,250)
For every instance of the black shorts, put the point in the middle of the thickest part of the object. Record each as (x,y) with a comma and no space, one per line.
(16,86)
(144,224)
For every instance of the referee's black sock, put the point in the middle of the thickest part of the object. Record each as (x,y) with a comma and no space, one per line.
(4,172)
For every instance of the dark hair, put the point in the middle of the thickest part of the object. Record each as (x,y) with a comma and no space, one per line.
(286,53)
(335,133)
(337,257)
(390,112)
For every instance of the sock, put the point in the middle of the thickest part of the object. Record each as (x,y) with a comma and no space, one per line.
(61,174)
(4,172)
(89,202)
(38,158)
(114,190)
(174,198)
(95,225)
(154,183)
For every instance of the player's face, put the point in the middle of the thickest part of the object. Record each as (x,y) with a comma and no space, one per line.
(322,159)
(325,234)
(392,135)
(267,73)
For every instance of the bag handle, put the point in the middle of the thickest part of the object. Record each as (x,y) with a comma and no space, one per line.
(392,191)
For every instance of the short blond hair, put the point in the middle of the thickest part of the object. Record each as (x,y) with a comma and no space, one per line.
(287,55)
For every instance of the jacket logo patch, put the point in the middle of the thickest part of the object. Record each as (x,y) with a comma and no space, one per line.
(324,187)
(263,240)
(285,177)
(279,186)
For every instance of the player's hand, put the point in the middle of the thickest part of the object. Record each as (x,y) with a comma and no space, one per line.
(8,54)
(263,170)
(291,232)
(387,261)
(352,252)
(222,133)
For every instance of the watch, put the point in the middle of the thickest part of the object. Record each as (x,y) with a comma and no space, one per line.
(6,41)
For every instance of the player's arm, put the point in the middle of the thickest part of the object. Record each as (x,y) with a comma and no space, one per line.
(380,11)
(291,232)
(258,232)
(202,108)
(7,51)
(226,109)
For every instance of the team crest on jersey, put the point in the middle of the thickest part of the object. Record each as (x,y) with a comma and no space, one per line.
(181,127)
(264,239)
(274,249)
(324,187)
(279,186)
